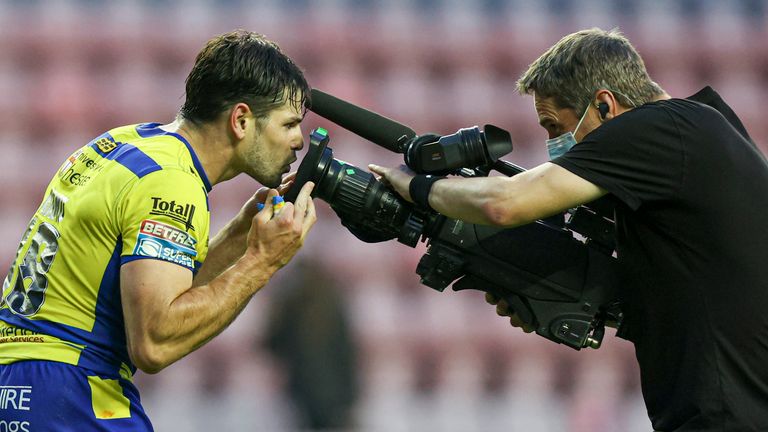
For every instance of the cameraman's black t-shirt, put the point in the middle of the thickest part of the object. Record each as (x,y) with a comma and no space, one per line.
(692,242)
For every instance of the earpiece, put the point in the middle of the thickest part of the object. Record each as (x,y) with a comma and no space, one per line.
(603,108)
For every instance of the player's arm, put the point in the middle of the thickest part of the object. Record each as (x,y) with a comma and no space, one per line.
(167,317)
(503,201)
(229,243)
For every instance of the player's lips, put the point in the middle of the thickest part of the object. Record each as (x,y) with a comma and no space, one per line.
(288,165)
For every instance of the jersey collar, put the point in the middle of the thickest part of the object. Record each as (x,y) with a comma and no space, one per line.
(146,130)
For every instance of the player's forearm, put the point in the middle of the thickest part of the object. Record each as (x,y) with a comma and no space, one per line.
(224,250)
(202,312)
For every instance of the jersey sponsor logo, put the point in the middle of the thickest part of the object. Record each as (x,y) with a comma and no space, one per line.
(75,169)
(167,232)
(15,397)
(106,145)
(74,178)
(79,156)
(26,339)
(179,212)
(161,241)
(14,426)
(150,247)
(17,334)
(70,161)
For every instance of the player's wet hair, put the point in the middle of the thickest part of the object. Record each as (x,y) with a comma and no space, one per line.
(242,66)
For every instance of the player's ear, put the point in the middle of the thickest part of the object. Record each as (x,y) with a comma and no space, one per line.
(238,120)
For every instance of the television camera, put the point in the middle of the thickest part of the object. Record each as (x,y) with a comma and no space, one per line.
(557,274)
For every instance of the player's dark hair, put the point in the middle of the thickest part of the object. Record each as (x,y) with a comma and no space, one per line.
(242,66)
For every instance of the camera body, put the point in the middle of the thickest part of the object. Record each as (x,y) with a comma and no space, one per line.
(560,281)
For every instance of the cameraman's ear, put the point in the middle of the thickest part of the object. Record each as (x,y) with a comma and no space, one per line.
(239,118)
(606,105)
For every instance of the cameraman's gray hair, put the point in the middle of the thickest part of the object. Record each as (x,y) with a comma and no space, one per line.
(581,63)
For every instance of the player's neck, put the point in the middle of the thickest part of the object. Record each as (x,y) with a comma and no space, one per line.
(211,147)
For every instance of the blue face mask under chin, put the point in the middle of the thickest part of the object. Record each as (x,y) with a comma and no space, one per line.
(557,146)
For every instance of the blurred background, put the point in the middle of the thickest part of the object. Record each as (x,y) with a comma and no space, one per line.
(345,338)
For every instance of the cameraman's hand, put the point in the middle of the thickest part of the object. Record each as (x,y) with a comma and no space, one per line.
(503,309)
(399,178)
(276,237)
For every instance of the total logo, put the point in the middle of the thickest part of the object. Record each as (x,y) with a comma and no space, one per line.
(176,211)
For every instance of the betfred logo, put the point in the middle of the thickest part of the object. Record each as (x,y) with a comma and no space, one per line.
(179,212)
(161,241)
(167,232)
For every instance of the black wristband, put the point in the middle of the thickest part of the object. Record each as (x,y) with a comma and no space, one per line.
(419,188)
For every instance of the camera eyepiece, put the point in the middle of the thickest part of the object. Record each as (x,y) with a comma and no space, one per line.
(467,148)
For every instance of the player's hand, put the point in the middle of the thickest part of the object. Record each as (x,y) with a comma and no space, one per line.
(399,178)
(503,309)
(249,210)
(275,237)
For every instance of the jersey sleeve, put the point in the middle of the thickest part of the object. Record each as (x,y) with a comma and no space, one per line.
(164,216)
(638,156)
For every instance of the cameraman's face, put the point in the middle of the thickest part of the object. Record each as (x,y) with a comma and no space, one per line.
(273,144)
(558,121)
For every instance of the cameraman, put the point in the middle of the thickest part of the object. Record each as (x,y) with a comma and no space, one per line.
(691,194)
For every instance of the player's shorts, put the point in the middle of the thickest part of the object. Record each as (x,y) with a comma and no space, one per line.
(49,396)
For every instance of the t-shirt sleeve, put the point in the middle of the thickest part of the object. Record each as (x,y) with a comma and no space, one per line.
(638,156)
(164,216)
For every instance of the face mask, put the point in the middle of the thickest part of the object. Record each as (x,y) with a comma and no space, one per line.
(557,147)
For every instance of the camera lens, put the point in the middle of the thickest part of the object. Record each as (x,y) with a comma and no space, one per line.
(366,207)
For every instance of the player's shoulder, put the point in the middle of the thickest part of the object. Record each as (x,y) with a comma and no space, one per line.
(146,148)
(148,139)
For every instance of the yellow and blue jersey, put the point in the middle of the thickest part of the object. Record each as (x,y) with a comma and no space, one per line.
(135,192)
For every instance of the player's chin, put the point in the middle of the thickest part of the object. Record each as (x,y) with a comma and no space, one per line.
(270,180)
(287,167)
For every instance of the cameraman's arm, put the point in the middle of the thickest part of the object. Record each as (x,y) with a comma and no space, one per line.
(511,201)
(504,201)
